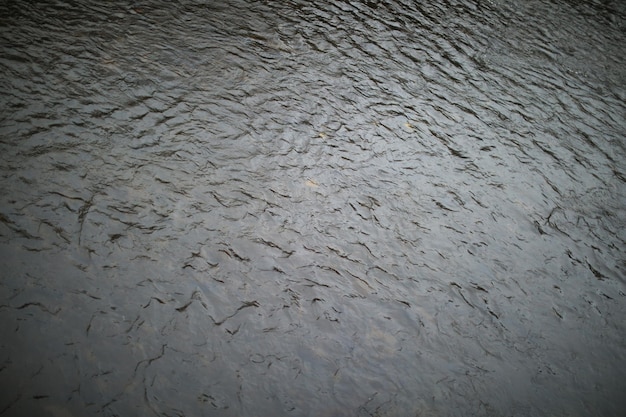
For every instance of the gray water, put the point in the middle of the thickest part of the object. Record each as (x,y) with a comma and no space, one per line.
(330,208)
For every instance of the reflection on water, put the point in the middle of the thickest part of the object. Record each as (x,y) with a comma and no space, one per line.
(339,208)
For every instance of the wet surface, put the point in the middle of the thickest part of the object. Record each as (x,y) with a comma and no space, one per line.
(329,208)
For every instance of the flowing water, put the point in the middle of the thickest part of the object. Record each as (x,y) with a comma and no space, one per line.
(330,208)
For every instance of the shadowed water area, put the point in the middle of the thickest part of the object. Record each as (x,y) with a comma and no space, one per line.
(330,208)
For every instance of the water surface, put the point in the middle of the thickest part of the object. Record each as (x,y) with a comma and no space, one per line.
(292,208)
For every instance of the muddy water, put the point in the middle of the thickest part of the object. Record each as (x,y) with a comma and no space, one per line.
(252,208)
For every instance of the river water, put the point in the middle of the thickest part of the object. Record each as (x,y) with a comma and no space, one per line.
(331,208)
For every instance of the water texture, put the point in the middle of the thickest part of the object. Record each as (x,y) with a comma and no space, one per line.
(330,208)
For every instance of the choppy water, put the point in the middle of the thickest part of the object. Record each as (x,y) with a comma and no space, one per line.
(331,208)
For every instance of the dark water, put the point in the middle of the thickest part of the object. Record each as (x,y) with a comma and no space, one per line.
(331,208)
